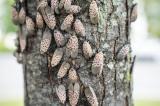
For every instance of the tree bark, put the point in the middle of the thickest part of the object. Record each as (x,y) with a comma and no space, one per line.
(112,88)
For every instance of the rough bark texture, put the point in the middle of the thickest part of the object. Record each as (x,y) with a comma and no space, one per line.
(113,87)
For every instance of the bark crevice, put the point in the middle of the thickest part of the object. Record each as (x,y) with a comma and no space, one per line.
(127,19)
(104,89)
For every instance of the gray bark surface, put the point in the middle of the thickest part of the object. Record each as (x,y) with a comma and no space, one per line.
(113,87)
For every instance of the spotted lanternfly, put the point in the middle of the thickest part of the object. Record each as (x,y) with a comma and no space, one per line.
(24,30)
(49,17)
(61,93)
(57,56)
(72,47)
(122,52)
(22,41)
(22,16)
(73,93)
(15,15)
(79,28)
(67,4)
(66,25)
(72,75)
(39,20)
(59,38)
(93,12)
(46,41)
(63,69)
(61,4)
(87,50)
(42,4)
(54,4)
(74,9)
(134,13)
(30,25)
(97,64)
(91,96)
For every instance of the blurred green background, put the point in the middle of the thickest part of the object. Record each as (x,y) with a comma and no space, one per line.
(6,25)
(7,29)
(152,10)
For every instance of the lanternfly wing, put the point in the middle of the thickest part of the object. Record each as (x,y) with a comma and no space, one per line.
(46,41)
(79,28)
(49,17)
(72,75)
(97,65)
(72,47)
(123,51)
(59,38)
(93,12)
(30,25)
(22,15)
(61,93)
(66,25)
(57,56)
(73,93)
(134,13)
(91,96)
(87,50)
(63,69)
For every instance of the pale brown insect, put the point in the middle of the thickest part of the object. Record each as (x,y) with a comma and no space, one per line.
(63,69)
(42,4)
(72,75)
(97,65)
(79,28)
(54,5)
(66,25)
(39,20)
(22,41)
(22,15)
(30,25)
(123,51)
(73,93)
(61,93)
(91,96)
(57,56)
(93,12)
(134,13)
(59,38)
(67,4)
(49,17)
(74,9)
(72,47)
(46,41)
(15,15)
(87,50)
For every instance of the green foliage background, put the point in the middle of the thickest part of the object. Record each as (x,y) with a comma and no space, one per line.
(7,25)
(152,10)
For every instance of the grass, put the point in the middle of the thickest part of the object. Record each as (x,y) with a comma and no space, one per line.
(11,103)
(137,103)
(147,103)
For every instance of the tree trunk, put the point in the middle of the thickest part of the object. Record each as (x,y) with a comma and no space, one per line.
(112,88)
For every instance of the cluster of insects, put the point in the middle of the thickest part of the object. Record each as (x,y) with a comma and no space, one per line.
(46,18)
